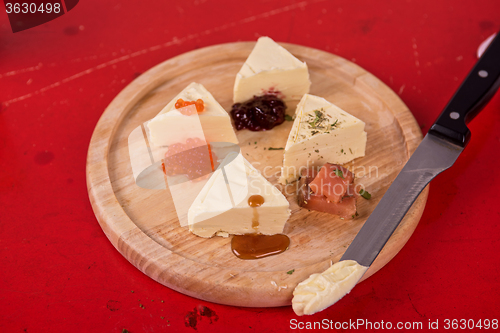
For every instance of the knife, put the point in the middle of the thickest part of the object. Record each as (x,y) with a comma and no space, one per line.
(437,152)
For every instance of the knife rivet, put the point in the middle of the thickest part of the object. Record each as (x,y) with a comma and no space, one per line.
(454,115)
(482,73)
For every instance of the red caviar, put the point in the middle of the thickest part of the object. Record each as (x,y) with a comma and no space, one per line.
(200,105)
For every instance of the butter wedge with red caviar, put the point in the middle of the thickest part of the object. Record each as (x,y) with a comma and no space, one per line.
(321,133)
(172,126)
(271,69)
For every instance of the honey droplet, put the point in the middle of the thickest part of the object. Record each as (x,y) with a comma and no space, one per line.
(256,201)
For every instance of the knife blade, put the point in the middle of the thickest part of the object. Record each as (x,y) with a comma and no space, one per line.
(431,157)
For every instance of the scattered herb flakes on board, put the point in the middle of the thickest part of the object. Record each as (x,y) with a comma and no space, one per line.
(365,194)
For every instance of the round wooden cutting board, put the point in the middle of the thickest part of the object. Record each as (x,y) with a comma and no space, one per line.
(142,223)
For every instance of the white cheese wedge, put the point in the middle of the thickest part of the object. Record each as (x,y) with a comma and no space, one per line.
(321,133)
(270,67)
(222,208)
(170,126)
(320,291)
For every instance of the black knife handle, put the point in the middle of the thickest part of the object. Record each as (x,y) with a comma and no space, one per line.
(477,89)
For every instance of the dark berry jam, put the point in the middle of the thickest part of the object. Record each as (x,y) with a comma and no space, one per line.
(193,159)
(261,113)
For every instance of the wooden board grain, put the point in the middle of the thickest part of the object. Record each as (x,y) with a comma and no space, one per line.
(143,226)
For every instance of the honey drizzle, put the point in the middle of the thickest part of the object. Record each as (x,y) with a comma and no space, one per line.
(255,220)
(256,246)
(255,201)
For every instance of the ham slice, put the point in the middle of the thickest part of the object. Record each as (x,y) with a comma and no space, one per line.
(332,181)
(345,207)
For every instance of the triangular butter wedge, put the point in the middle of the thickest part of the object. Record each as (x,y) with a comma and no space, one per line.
(221,208)
(170,126)
(321,133)
(271,68)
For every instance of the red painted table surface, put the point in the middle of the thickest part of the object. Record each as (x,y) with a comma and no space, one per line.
(59,273)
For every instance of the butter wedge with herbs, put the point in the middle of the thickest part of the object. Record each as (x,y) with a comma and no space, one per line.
(170,126)
(321,133)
